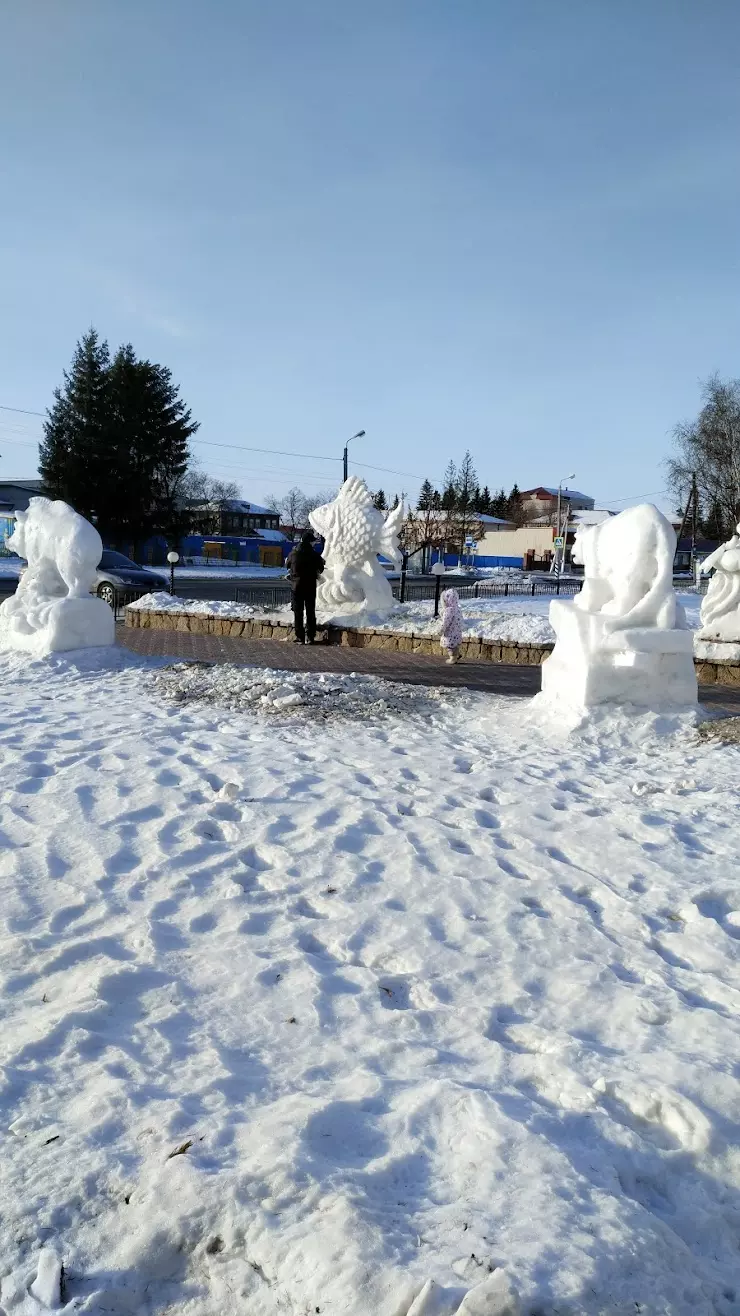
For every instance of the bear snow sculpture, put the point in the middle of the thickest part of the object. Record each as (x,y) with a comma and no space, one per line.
(52,608)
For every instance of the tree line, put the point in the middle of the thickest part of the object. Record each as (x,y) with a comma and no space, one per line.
(116,447)
(462,492)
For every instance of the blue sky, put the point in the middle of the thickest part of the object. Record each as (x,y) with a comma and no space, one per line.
(509,226)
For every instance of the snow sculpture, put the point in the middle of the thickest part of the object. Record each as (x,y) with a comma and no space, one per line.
(51,609)
(354,532)
(720,609)
(624,638)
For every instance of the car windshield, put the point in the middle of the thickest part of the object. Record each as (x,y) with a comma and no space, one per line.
(110,561)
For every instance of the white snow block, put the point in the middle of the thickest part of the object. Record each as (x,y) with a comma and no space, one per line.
(53,627)
(494,1297)
(47,1286)
(432,1301)
(598,661)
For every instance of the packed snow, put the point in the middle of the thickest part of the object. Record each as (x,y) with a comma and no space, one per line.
(523,620)
(362,1015)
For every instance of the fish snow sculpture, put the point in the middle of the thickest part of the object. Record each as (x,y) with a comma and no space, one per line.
(354,533)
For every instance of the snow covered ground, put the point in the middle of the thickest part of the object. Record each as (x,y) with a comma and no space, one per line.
(524,619)
(306,1003)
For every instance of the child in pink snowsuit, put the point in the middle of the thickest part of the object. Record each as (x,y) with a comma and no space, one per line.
(451,637)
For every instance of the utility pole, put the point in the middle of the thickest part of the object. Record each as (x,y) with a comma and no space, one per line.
(559,557)
(692,506)
(359,435)
(694,518)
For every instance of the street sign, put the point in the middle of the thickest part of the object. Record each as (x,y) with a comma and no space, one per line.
(470,543)
(558,541)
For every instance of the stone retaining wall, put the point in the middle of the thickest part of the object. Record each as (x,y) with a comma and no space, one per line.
(711,672)
(708,671)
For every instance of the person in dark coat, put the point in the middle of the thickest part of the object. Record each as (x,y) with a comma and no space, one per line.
(305,566)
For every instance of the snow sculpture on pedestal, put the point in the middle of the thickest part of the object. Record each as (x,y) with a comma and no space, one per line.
(354,532)
(51,609)
(720,609)
(624,638)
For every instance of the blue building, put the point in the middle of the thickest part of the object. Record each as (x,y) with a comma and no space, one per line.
(230,532)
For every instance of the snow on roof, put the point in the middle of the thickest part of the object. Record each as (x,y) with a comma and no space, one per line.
(493,520)
(591,515)
(553,493)
(275,536)
(240,505)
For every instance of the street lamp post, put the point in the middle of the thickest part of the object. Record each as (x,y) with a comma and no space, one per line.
(173,558)
(359,435)
(560,548)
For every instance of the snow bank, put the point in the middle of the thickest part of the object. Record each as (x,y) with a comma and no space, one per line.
(160,601)
(521,620)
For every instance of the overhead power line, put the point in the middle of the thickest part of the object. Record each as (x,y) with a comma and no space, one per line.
(23,411)
(243,447)
(654,493)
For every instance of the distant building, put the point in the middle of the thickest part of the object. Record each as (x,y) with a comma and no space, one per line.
(234,516)
(236,531)
(15,496)
(542,502)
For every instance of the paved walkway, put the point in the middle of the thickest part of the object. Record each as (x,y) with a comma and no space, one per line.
(417,669)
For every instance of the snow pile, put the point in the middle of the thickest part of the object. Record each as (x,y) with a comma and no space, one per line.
(382,1022)
(51,609)
(160,601)
(322,696)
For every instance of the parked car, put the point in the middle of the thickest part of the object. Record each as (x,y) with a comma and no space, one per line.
(117,573)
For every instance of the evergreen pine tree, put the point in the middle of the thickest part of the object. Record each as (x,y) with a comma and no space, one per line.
(73,457)
(449,488)
(164,452)
(426,497)
(116,443)
(513,507)
(437,501)
(467,484)
(485,502)
(500,505)
(379,500)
